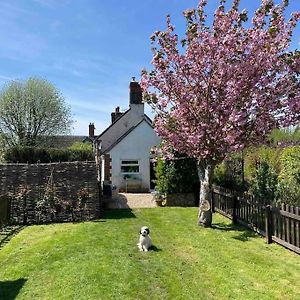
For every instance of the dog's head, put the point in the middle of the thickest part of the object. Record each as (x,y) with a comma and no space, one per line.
(144,231)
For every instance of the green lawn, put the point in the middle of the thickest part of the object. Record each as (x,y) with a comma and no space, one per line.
(100,260)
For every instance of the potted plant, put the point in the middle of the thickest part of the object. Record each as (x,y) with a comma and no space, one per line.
(159,198)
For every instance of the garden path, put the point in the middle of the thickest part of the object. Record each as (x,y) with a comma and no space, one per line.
(130,200)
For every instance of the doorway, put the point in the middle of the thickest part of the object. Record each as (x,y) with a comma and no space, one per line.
(152,175)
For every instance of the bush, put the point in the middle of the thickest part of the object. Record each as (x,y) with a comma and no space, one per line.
(27,154)
(229,174)
(176,176)
(255,156)
(271,174)
(264,183)
(289,176)
(284,137)
(261,172)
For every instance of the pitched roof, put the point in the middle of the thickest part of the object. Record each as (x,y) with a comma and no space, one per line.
(111,125)
(145,118)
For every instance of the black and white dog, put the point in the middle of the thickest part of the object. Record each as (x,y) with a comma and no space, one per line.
(145,241)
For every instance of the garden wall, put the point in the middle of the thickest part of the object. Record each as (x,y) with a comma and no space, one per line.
(39,193)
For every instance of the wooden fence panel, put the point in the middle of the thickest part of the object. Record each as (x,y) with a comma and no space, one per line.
(287,231)
(223,201)
(283,222)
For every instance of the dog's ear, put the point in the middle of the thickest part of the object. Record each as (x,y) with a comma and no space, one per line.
(140,232)
(148,231)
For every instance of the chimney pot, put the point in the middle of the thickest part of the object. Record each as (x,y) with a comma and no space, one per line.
(91,130)
(135,92)
(116,115)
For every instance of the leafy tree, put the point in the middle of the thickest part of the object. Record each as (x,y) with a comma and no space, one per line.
(225,86)
(32,108)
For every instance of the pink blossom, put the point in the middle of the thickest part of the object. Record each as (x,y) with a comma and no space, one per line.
(229,85)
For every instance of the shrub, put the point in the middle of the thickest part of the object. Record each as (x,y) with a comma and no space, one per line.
(264,183)
(289,176)
(271,174)
(220,177)
(284,137)
(176,176)
(27,154)
(229,174)
(254,156)
(261,172)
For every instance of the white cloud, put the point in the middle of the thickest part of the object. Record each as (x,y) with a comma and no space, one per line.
(6,78)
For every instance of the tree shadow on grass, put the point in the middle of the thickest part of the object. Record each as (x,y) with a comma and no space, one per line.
(118,214)
(8,232)
(243,235)
(9,290)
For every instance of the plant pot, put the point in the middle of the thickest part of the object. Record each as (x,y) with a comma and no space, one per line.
(159,202)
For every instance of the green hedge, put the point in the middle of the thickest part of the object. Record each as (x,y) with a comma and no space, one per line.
(271,174)
(176,176)
(229,175)
(25,154)
(289,176)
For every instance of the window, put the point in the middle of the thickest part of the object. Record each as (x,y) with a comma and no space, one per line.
(130,166)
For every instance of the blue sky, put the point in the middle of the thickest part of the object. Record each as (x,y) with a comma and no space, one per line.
(89,49)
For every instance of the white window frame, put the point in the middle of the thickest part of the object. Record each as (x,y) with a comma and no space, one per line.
(130,163)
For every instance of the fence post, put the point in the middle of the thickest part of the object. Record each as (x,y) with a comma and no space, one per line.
(234,206)
(268,224)
(212,201)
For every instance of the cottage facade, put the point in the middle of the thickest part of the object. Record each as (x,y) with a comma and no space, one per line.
(126,146)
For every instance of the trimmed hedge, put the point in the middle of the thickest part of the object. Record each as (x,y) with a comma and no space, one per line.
(27,154)
(176,176)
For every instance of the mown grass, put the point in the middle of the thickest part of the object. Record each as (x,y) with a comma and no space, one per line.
(100,260)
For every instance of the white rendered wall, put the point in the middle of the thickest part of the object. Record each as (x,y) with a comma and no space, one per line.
(135,146)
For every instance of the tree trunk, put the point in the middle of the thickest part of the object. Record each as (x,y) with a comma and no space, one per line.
(205,173)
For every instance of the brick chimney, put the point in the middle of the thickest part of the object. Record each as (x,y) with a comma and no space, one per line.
(116,115)
(135,92)
(91,130)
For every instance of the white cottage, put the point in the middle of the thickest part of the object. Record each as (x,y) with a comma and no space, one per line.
(126,145)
